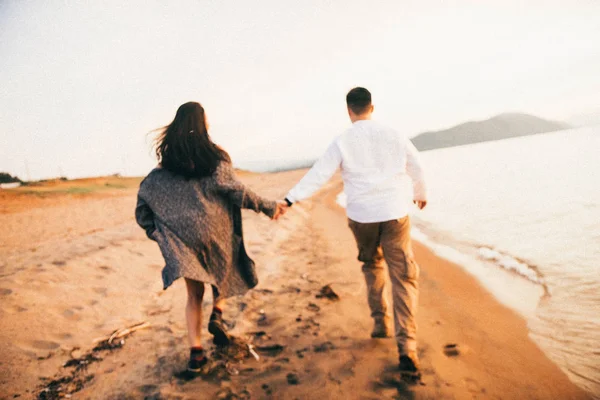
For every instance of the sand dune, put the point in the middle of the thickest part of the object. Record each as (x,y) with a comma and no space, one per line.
(75,269)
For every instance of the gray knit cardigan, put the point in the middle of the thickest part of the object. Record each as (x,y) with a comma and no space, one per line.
(197,224)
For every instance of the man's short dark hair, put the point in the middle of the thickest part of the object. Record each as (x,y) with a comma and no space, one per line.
(359,100)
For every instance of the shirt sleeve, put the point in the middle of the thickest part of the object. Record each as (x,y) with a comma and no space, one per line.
(239,194)
(145,217)
(318,175)
(415,171)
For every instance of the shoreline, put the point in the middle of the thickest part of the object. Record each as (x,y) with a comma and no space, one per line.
(524,296)
(92,282)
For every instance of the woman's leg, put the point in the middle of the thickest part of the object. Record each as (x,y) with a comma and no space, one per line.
(193,311)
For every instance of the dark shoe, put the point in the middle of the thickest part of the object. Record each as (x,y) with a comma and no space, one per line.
(217,328)
(197,361)
(409,368)
(381,329)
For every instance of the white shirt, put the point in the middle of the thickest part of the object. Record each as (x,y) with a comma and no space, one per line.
(378,165)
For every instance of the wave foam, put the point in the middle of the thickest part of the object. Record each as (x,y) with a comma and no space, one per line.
(510,263)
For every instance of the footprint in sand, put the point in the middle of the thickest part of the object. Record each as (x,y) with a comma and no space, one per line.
(472,385)
(59,263)
(105,268)
(71,315)
(44,345)
(157,310)
(5,292)
(147,389)
(100,290)
(63,336)
(14,309)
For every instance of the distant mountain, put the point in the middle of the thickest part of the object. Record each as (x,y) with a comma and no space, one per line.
(502,126)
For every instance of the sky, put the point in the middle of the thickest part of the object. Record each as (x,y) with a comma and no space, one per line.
(84,84)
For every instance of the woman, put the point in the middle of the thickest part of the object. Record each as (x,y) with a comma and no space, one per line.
(190,205)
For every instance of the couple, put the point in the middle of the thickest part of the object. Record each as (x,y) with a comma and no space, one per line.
(191,206)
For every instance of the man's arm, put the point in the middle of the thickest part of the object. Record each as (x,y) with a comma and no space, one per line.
(415,171)
(320,173)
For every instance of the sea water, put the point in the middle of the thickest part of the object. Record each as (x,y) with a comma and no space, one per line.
(530,207)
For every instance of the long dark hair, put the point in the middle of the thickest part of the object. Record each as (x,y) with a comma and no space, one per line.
(184,146)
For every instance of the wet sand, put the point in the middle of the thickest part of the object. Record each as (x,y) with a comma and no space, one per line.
(75,268)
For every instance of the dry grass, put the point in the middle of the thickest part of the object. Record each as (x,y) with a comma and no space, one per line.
(85,185)
(50,192)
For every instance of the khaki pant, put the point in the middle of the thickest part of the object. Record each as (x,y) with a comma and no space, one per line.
(390,240)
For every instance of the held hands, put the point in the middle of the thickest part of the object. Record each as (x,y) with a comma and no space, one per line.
(281,210)
(420,203)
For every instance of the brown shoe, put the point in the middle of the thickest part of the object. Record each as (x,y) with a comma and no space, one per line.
(197,360)
(381,328)
(409,367)
(217,328)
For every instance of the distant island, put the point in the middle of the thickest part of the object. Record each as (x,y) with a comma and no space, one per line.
(502,126)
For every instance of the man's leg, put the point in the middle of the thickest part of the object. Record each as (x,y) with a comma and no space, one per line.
(369,252)
(404,273)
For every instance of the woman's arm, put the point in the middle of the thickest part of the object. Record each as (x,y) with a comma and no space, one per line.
(229,185)
(145,217)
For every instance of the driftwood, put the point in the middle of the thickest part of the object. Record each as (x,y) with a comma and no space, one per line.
(122,332)
(253,353)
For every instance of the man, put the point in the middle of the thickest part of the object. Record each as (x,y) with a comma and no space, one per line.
(377,165)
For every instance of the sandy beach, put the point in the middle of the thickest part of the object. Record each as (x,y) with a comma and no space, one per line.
(74,266)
